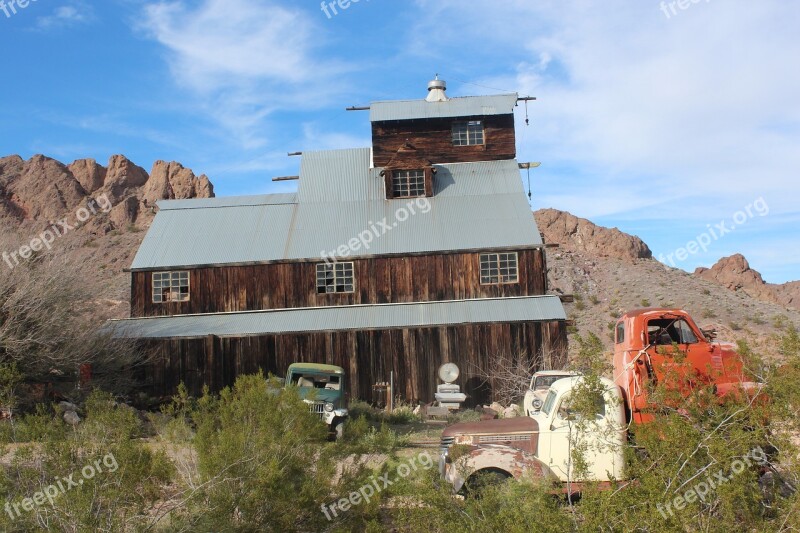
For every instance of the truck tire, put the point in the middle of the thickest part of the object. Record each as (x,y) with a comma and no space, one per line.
(483,479)
(338,429)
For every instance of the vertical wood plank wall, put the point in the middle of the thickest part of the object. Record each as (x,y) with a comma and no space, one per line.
(368,357)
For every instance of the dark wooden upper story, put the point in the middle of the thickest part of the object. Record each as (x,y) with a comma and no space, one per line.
(285,285)
(445,140)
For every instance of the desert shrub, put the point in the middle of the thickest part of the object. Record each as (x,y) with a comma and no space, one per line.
(790,342)
(117,479)
(425,504)
(49,326)
(780,321)
(265,465)
(591,357)
(359,408)
(402,414)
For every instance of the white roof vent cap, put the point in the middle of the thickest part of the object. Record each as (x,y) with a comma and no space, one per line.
(437,90)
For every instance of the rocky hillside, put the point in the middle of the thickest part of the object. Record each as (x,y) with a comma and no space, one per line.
(89,213)
(575,234)
(734,273)
(610,272)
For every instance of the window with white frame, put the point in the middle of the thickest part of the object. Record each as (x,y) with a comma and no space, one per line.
(335,278)
(497,268)
(408,183)
(170,287)
(468,133)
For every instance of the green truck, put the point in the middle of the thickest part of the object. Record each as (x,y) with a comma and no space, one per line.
(323,387)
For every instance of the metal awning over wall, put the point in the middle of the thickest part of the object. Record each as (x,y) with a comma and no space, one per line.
(344,318)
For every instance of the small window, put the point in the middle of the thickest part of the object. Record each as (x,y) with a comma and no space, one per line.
(170,287)
(468,133)
(408,183)
(499,268)
(335,278)
(620,332)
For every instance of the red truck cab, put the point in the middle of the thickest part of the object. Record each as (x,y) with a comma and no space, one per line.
(653,346)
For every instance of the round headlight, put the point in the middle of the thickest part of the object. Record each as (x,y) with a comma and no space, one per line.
(537,404)
(329,407)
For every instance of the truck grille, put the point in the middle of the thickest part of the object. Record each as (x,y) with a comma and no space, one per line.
(446,443)
(490,439)
(318,408)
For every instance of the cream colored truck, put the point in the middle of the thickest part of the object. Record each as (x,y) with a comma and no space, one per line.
(541,446)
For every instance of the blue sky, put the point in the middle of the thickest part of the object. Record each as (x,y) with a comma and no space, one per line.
(664,122)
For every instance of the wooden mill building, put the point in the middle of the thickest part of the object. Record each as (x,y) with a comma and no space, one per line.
(417,251)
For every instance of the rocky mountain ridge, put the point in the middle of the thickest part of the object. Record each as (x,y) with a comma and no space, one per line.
(88,213)
(43,189)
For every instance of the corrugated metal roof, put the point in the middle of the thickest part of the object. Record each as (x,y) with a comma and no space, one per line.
(358,317)
(475,206)
(229,201)
(469,106)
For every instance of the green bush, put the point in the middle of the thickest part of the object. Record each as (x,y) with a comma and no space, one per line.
(118,478)
(265,464)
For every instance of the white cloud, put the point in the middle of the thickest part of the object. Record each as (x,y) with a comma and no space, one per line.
(74,13)
(701,104)
(243,60)
(684,118)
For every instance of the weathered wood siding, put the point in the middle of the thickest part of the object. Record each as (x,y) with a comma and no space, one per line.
(433,140)
(368,357)
(378,280)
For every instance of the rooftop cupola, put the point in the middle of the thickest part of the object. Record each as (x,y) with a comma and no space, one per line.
(436,90)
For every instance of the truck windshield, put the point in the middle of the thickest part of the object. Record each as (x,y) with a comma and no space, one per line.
(544,382)
(548,403)
(314,381)
(667,331)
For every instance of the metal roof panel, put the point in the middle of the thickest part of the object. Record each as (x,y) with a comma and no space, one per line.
(475,206)
(468,106)
(358,317)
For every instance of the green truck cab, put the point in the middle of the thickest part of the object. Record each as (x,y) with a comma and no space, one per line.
(323,387)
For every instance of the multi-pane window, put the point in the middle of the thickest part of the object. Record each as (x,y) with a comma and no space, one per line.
(499,268)
(468,133)
(336,277)
(170,287)
(408,183)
